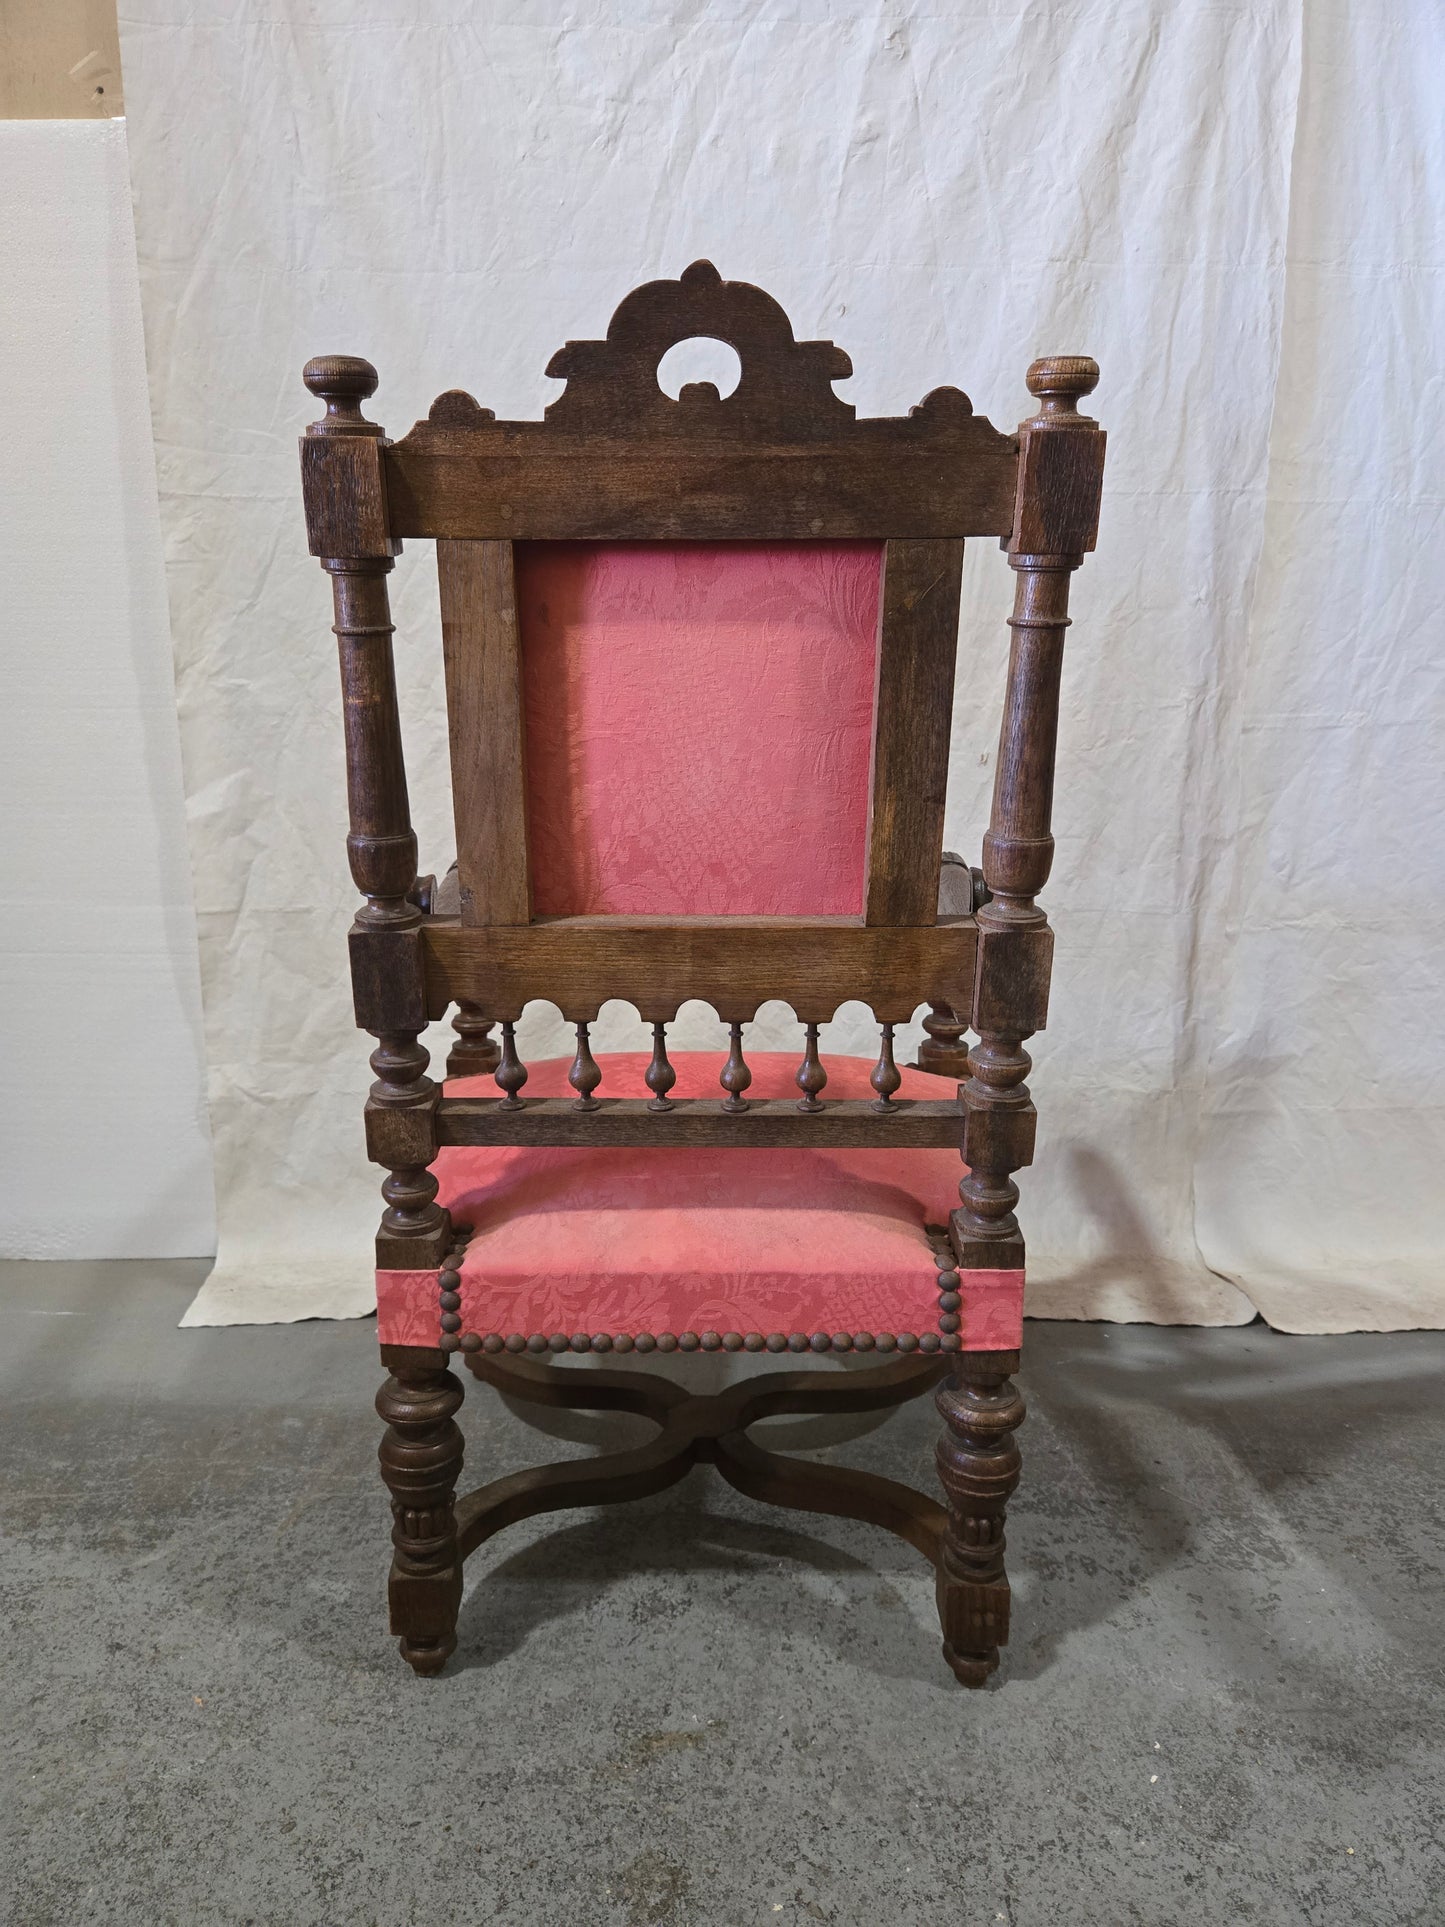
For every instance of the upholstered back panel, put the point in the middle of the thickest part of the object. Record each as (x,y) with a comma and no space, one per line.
(699,723)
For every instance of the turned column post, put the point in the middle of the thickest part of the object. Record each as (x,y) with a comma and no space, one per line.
(344,481)
(1061,456)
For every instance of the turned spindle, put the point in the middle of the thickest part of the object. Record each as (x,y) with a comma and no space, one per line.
(811,1077)
(886,1076)
(585,1074)
(735,1076)
(475,1053)
(660,1076)
(944,1050)
(511,1072)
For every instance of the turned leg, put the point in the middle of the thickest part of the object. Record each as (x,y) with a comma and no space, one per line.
(978,1464)
(421,1458)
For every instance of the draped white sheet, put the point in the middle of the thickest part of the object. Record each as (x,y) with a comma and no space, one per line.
(1239,1087)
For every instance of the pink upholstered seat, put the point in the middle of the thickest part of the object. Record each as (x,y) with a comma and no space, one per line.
(704,1246)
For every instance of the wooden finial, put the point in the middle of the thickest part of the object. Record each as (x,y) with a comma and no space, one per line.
(1059,381)
(343,382)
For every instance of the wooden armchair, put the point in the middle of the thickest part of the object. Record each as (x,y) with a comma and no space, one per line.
(699,668)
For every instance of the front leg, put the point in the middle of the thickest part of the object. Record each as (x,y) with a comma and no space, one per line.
(978,1465)
(421,1460)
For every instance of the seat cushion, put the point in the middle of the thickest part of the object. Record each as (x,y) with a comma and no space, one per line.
(694,1248)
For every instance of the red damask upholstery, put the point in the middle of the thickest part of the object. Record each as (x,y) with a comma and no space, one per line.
(699,721)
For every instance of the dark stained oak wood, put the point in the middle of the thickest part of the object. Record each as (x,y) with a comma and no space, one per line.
(511,1072)
(704,1429)
(343,477)
(944,1050)
(476,1053)
(635,1474)
(660,1076)
(732,963)
(804,1485)
(401,1133)
(1058,506)
(585,1074)
(345,511)
(735,1076)
(421,1459)
(485,724)
(885,1076)
(764,1124)
(978,1466)
(781,459)
(526,481)
(812,1076)
(913,718)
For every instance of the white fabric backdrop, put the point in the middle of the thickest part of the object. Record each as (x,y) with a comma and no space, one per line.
(104,1151)
(1235,1089)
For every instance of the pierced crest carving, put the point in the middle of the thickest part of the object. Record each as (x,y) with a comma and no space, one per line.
(780,458)
(786,385)
(784,391)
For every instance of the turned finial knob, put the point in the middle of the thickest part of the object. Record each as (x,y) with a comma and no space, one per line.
(1060,380)
(343,382)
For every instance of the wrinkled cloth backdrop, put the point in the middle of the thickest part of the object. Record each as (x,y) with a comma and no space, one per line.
(1235,208)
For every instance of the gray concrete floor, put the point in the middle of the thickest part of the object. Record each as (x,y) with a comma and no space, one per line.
(1223,1704)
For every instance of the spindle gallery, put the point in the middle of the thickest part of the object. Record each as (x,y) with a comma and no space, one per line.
(535,524)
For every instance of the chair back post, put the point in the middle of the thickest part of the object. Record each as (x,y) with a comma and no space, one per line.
(1061,461)
(343,481)
(346,525)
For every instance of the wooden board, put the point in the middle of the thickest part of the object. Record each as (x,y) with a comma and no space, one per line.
(733,964)
(529,481)
(913,716)
(485,725)
(767,1124)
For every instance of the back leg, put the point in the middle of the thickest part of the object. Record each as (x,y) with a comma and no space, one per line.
(978,1465)
(421,1459)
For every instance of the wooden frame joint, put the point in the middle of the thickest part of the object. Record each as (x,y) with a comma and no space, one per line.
(403,1136)
(388,978)
(343,481)
(1011,978)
